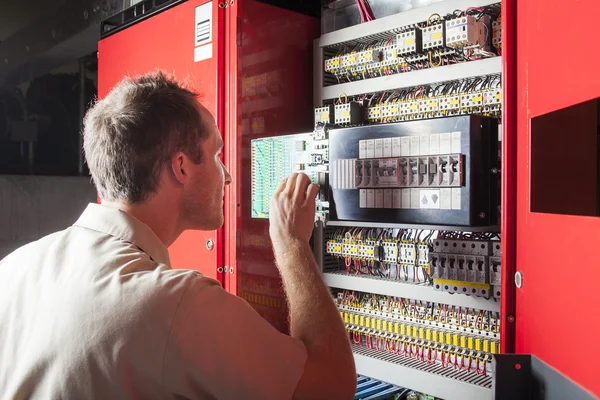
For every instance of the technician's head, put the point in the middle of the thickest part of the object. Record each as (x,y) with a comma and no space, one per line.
(150,138)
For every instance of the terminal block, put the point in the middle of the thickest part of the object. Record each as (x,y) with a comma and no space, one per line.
(332,65)
(324,114)
(348,114)
(434,36)
(468,31)
(409,42)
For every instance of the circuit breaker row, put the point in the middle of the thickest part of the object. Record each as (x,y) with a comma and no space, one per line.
(468,267)
(444,171)
(415,44)
(475,102)
(407,253)
(485,101)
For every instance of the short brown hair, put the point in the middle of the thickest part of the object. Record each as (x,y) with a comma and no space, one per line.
(131,134)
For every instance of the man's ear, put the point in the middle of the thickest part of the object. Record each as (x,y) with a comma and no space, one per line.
(179,163)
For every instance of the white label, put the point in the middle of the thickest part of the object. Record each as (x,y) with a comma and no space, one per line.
(362,198)
(434,143)
(378,148)
(405,198)
(378,198)
(414,198)
(362,149)
(387,147)
(456,199)
(397,198)
(203,52)
(446,199)
(396,147)
(424,144)
(445,143)
(429,198)
(405,146)
(414,145)
(456,142)
(370,148)
(387,198)
(203,31)
(370,198)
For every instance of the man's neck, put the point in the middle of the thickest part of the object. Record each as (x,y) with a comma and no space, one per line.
(152,214)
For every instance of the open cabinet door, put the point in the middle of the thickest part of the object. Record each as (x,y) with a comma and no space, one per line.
(557,223)
(186,40)
(269,93)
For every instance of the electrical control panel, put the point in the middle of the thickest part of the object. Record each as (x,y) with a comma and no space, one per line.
(410,193)
(275,158)
(430,172)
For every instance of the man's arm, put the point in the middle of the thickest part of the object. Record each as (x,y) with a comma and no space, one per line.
(329,372)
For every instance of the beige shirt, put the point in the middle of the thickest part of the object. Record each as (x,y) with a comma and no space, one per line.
(95,312)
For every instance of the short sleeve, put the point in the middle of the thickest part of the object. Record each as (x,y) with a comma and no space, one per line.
(219,347)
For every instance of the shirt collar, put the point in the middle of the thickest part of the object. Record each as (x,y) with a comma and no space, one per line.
(118,223)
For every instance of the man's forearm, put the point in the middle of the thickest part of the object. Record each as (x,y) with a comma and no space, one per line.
(314,317)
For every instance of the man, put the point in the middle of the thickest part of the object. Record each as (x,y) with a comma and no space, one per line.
(96,312)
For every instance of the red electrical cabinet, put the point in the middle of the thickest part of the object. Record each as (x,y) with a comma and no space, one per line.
(252,63)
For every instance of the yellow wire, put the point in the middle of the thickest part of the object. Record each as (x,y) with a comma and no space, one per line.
(345,97)
(429,19)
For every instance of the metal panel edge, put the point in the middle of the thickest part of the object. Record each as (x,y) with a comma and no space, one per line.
(416,78)
(508,201)
(398,20)
(416,292)
(434,385)
(492,228)
(317,74)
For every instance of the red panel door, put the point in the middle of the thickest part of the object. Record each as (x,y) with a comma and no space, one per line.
(557,304)
(175,41)
(269,92)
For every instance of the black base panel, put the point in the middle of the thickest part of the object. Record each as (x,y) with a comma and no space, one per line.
(479,194)
(526,377)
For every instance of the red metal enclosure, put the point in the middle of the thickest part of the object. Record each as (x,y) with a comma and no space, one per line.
(257,82)
(167,41)
(557,303)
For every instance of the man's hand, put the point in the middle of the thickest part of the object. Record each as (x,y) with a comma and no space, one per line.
(292,212)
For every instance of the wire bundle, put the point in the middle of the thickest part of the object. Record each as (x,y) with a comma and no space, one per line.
(366,13)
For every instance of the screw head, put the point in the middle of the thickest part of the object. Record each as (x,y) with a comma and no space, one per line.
(209,244)
(519,279)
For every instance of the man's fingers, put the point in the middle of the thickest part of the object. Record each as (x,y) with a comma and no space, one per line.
(291,183)
(301,184)
(280,186)
(313,190)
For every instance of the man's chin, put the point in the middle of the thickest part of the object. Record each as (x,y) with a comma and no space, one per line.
(209,225)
